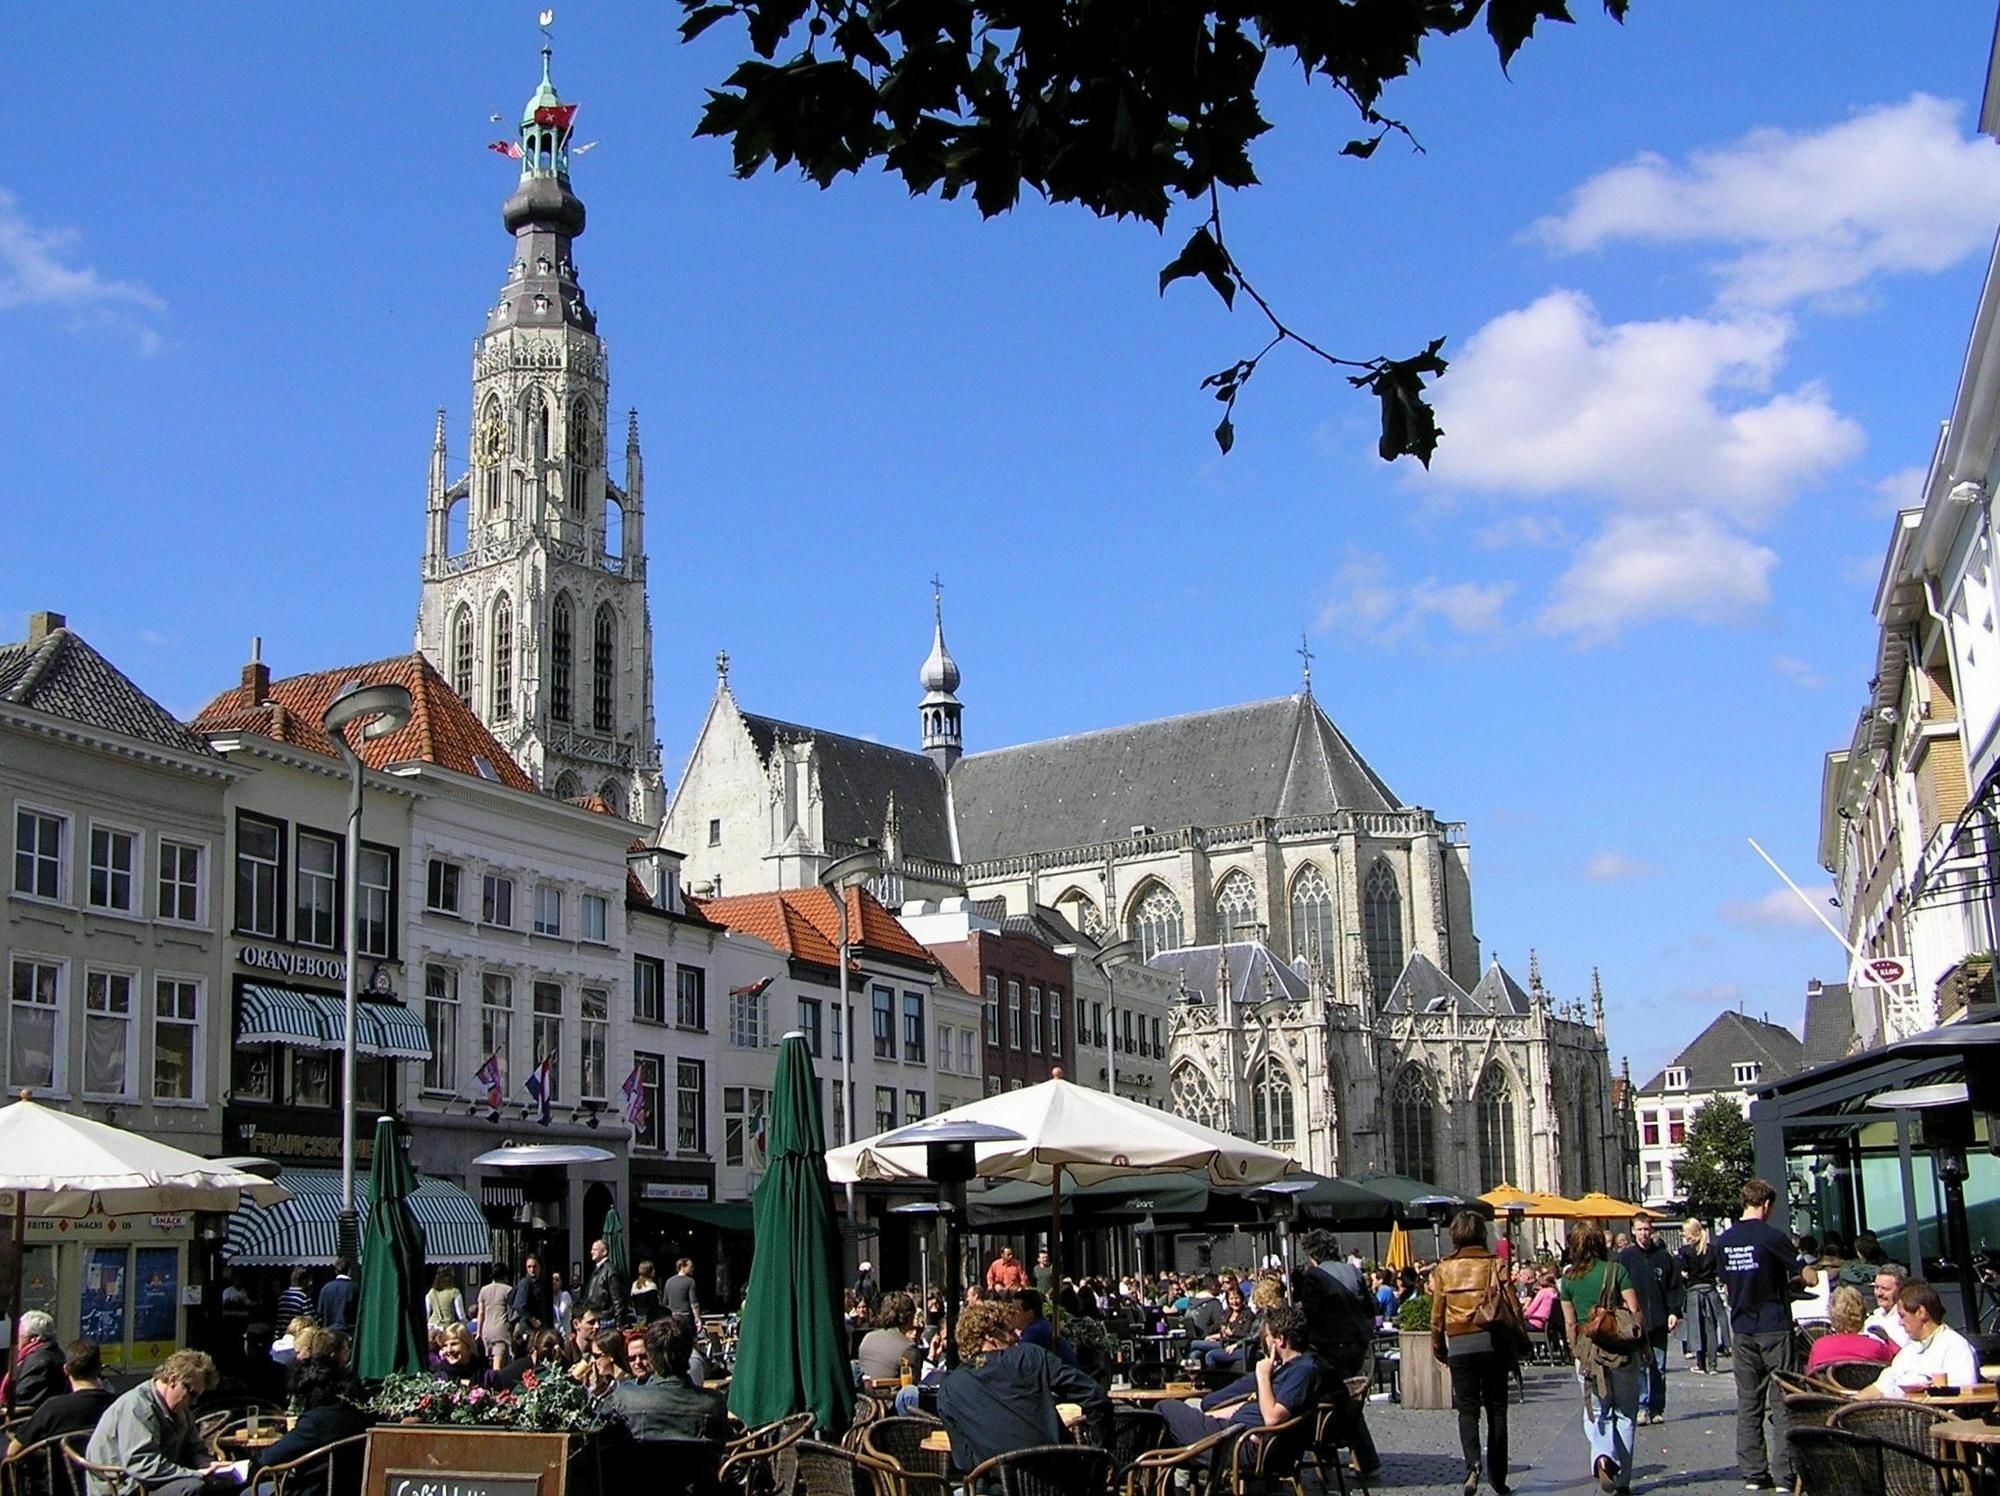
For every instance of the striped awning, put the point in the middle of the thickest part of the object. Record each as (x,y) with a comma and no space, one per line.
(270,1014)
(303,1231)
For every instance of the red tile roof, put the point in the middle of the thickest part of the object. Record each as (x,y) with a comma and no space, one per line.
(442,729)
(804,923)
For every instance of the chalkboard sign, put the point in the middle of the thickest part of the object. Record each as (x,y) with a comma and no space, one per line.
(459,1483)
(452,1460)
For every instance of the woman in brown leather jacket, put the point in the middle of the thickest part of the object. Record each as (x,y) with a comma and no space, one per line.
(1481,1363)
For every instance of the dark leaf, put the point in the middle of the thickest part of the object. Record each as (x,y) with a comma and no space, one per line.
(1362,148)
(700,20)
(1225,436)
(1202,256)
(1512,22)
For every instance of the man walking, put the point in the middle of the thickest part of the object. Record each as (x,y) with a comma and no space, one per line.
(530,1304)
(1655,1275)
(1758,1269)
(337,1299)
(680,1294)
(605,1293)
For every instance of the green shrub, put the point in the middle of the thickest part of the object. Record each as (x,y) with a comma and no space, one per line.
(1415,1313)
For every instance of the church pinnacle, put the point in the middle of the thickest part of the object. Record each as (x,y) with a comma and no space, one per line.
(939,678)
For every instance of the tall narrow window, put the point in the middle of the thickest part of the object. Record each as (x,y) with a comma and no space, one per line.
(441,1024)
(580,453)
(1236,907)
(114,855)
(376,873)
(107,1032)
(1412,1125)
(38,851)
(1382,929)
(503,661)
(260,847)
(547,1035)
(885,1026)
(316,910)
(562,653)
(603,659)
(176,1037)
(690,1106)
(538,426)
(180,882)
(1495,1100)
(596,1026)
(496,1020)
(461,653)
(33,1022)
(651,1130)
(1312,918)
(1271,1102)
(1156,921)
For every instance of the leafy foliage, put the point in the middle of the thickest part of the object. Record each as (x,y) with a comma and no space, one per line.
(1718,1159)
(1125,107)
(1415,1313)
(554,1404)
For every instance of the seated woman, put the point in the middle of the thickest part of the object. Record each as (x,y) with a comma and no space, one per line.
(891,1345)
(1846,1341)
(1224,1350)
(606,1365)
(458,1357)
(325,1393)
(1544,1313)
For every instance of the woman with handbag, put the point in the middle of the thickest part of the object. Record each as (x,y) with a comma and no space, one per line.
(1476,1329)
(1601,1312)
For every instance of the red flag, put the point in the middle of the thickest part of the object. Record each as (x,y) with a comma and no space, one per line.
(558,115)
(506,148)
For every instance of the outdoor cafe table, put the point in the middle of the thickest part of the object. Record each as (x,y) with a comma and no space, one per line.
(1965,1438)
(1985,1395)
(1146,1396)
(939,1442)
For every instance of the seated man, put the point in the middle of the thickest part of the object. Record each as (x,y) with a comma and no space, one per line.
(1003,1395)
(1034,1327)
(1284,1385)
(667,1405)
(150,1431)
(73,1412)
(1936,1353)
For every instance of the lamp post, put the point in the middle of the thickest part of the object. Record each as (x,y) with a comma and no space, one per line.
(389,706)
(1104,958)
(848,872)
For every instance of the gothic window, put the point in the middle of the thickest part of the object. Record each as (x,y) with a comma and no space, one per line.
(562,654)
(612,793)
(1586,1146)
(1081,911)
(461,653)
(503,660)
(567,787)
(1156,921)
(1413,1125)
(537,413)
(1498,1162)
(603,657)
(1236,907)
(580,452)
(1271,1103)
(489,446)
(1382,928)
(1312,917)
(1193,1097)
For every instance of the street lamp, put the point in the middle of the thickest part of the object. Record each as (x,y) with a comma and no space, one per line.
(389,706)
(1104,958)
(849,872)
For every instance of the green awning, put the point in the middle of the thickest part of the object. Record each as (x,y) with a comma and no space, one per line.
(303,1230)
(728,1215)
(267,1013)
(1130,1198)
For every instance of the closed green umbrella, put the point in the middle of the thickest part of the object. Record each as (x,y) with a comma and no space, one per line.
(792,1355)
(614,1250)
(389,1324)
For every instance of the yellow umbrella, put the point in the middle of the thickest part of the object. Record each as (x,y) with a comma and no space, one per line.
(1399,1255)
(1538,1204)
(1598,1206)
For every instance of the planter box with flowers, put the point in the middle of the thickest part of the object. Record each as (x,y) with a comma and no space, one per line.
(439,1438)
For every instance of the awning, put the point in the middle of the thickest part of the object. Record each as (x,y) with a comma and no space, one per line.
(303,1231)
(728,1215)
(270,1014)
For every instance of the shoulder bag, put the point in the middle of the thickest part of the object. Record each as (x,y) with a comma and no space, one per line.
(1611,1327)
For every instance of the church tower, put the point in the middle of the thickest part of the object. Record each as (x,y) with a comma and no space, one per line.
(534,595)
(939,678)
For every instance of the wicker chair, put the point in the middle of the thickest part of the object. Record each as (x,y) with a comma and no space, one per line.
(1851,1376)
(1833,1462)
(899,1442)
(42,1468)
(1795,1381)
(764,1462)
(1334,1422)
(1814,1409)
(1153,1473)
(1892,1419)
(1045,1470)
(116,1478)
(334,1469)
(1134,1431)
(1268,1458)
(829,1470)
(773,1435)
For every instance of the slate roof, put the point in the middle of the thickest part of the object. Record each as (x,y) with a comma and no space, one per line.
(442,729)
(804,923)
(1498,992)
(1213,768)
(62,676)
(1199,970)
(1829,1022)
(1711,1059)
(856,779)
(1423,988)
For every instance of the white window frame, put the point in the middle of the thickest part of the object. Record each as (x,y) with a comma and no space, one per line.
(59,1030)
(367,894)
(441,1077)
(197,1056)
(658,1013)
(593,1039)
(134,906)
(548,909)
(65,848)
(301,934)
(968,1051)
(944,1049)
(545,1024)
(697,1147)
(1676,1078)
(130,976)
(594,930)
(498,1017)
(456,879)
(161,883)
(1747,1072)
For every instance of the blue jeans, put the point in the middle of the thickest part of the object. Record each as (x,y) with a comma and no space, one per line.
(1216,1356)
(1653,1385)
(1608,1423)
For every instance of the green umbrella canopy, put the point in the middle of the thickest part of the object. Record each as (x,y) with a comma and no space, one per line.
(614,1248)
(1350,1202)
(1132,1198)
(792,1356)
(1406,1192)
(389,1324)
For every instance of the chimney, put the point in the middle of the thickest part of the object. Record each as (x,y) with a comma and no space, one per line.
(256,674)
(41,625)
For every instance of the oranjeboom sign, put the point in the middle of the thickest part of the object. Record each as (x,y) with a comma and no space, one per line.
(293,963)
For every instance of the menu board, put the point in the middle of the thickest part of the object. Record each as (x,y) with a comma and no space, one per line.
(101,1313)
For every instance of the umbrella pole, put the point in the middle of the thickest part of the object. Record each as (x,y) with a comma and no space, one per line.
(14,1294)
(1054,1309)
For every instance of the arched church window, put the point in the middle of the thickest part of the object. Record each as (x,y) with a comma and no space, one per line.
(562,654)
(612,793)
(503,660)
(1413,1125)
(489,447)
(1156,921)
(538,426)
(603,657)
(1193,1097)
(1081,911)
(1236,907)
(1312,917)
(580,453)
(461,653)
(1499,1163)
(1382,927)
(1271,1102)
(567,786)
(1586,1146)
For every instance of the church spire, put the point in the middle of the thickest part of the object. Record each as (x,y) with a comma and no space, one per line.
(939,678)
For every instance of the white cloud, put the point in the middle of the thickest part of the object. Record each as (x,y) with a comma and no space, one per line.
(1643,567)
(1366,601)
(1902,489)
(1661,415)
(1533,530)
(1798,671)
(1780,909)
(35,272)
(1617,867)
(1896,188)
(1360,598)
(1469,607)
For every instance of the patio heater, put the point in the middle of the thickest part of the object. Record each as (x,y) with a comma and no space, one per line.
(1439,1208)
(1286,1210)
(1945,1112)
(1517,1212)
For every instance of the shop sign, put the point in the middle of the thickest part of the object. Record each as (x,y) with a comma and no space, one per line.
(309,1145)
(293,963)
(655,1190)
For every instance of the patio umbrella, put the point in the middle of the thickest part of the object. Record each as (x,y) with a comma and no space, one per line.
(389,1323)
(792,1354)
(614,1247)
(1598,1206)
(1400,1254)
(1415,1199)
(1341,1202)
(1536,1204)
(1017,1203)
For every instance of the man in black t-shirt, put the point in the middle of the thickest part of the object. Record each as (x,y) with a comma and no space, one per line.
(1758,1267)
(73,1412)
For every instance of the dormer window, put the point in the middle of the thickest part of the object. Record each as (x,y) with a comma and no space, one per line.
(1677,1078)
(1747,1072)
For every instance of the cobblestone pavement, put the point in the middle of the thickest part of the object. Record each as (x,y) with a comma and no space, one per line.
(1693,1451)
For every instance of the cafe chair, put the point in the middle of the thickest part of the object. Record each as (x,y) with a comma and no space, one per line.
(1851,1376)
(1835,1462)
(1268,1459)
(1155,1472)
(1814,1409)
(1891,1419)
(1796,1381)
(899,1443)
(1134,1431)
(41,1469)
(1044,1470)
(115,1478)
(772,1436)
(829,1470)
(331,1470)
(764,1462)
(1334,1422)
(867,1410)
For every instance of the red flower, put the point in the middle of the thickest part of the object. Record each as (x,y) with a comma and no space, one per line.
(528,1380)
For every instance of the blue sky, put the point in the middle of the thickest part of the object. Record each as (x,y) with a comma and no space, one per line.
(1706,277)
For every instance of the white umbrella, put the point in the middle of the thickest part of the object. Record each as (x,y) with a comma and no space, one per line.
(54,1163)
(542,1155)
(1088,1135)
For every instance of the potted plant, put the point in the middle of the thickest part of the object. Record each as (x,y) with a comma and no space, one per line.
(1426,1382)
(537,1434)
(1093,1346)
